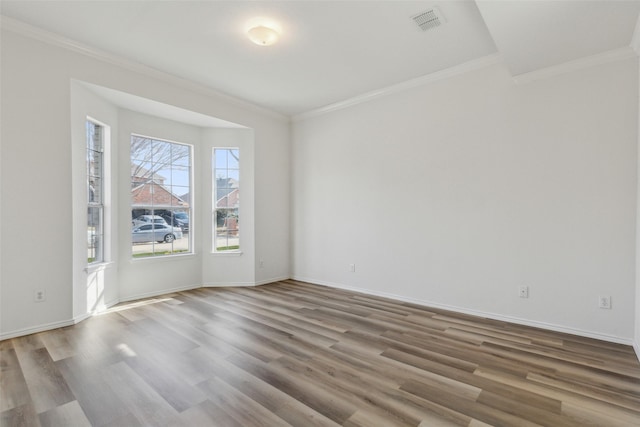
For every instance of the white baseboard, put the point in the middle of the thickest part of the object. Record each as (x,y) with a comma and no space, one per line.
(494,316)
(157,293)
(244,284)
(36,329)
(80,318)
(488,315)
(55,325)
(272,280)
(636,347)
(85,316)
(227,284)
(95,312)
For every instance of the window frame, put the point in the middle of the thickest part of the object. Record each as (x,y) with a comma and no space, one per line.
(99,251)
(215,208)
(156,210)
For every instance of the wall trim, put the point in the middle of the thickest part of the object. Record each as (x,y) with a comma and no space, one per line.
(98,311)
(54,39)
(272,280)
(488,315)
(463,68)
(84,316)
(158,293)
(587,62)
(36,329)
(511,319)
(227,284)
(107,306)
(244,284)
(77,319)
(56,325)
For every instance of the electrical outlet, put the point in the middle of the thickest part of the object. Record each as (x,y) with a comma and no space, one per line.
(352,268)
(39,295)
(604,302)
(523,292)
(261,263)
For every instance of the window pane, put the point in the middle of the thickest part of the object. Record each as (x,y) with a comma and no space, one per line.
(233,175)
(94,136)
(95,185)
(220,159)
(226,175)
(176,217)
(221,178)
(233,159)
(141,172)
(95,190)
(142,196)
(182,195)
(141,149)
(181,155)
(94,234)
(161,151)
(160,187)
(180,176)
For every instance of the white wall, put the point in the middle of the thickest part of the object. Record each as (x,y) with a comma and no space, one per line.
(637,312)
(456,193)
(94,288)
(272,178)
(232,268)
(36,177)
(37,172)
(151,276)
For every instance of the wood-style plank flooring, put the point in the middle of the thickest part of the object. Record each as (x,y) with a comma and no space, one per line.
(291,353)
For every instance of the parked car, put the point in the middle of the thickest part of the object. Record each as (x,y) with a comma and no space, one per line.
(155,233)
(178,219)
(148,219)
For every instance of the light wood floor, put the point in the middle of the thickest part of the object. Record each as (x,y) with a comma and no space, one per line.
(291,353)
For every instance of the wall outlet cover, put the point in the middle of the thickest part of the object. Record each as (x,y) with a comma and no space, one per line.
(523,292)
(39,295)
(604,302)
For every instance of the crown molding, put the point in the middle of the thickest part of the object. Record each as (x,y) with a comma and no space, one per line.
(466,67)
(635,43)
(30,31)
(587,62)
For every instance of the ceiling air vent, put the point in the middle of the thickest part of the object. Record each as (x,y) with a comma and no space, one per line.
(430,19)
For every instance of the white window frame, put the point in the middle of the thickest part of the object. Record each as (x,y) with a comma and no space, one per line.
(153,208)
(214,207)
(98,237)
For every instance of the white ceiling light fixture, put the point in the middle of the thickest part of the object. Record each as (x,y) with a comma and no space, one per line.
(263,31)
(263,36)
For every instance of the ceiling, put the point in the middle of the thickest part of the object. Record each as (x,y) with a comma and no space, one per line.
(532,35)
(331,51)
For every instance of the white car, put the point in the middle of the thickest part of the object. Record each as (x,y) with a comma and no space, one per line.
(155,233)
(148,219)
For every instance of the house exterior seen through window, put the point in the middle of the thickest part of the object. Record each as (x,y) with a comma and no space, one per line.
(160,197)
(226,199)
(95,192)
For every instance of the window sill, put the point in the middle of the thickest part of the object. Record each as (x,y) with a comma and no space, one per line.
(163,258)
(101,266)
(227,253)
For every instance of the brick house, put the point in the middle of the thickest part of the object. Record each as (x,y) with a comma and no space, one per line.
(152,195)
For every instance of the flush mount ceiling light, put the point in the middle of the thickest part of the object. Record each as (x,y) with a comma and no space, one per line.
(264,36)
(263,31)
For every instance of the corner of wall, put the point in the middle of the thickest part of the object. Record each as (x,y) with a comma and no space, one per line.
(635,40)
(636,345)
